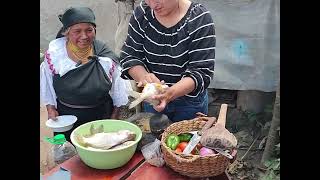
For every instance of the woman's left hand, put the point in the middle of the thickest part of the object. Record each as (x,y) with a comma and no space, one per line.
(181,88)
(164,99)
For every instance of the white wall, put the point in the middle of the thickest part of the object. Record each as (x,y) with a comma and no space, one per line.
(255,24)
(106,18)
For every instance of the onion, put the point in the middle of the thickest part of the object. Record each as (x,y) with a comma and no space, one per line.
(206,151)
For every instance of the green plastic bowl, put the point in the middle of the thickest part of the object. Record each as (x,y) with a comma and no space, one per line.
(107,159)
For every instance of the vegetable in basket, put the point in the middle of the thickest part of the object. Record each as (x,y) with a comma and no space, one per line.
(185,137)
(182,145)
(178,150)
(206,151)
(173,141)
(196,150)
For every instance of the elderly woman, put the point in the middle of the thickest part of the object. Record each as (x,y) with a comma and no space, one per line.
(172,41)
(79,75)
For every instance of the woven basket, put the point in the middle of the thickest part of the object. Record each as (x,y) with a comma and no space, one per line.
(191,165)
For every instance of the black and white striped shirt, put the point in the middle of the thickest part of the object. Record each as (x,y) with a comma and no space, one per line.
(185,50)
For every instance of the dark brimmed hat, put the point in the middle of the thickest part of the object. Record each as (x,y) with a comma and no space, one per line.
(77,15)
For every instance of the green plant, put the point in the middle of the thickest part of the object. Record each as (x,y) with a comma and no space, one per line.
(252,116)
(273,170)
(273,165)
(268,108)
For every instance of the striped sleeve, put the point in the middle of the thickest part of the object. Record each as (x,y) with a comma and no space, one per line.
(201,51)
(132,52)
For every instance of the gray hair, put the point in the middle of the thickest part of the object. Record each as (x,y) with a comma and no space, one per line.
(66,31)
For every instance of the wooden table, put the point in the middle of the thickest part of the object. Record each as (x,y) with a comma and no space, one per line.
(149,172)
(135,169)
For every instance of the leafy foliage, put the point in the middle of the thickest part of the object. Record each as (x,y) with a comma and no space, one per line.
(273,170)
(273,166)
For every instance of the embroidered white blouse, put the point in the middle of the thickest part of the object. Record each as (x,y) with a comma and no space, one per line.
(56,61)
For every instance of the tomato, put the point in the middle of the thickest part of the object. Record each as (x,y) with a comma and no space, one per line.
(178,150)
(199,146)
(196,149)
(182,145)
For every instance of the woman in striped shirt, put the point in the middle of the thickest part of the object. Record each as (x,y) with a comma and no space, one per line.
(172,41)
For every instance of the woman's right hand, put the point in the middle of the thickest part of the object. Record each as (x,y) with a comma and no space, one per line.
(52,112)
(147,78)
(142,76)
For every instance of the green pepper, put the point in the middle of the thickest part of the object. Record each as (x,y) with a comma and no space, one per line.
(173,141)
(185,137)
